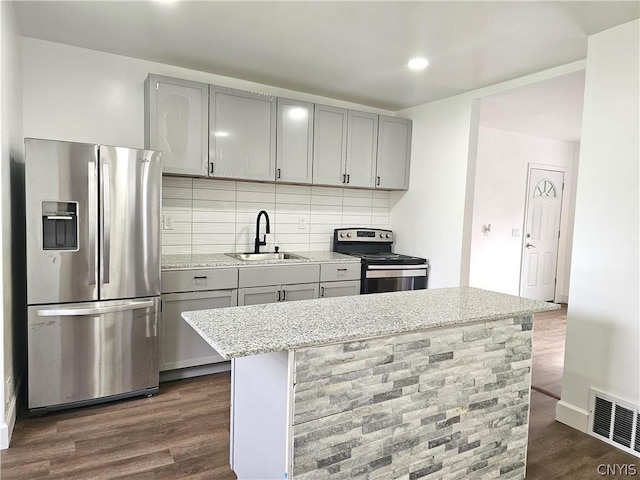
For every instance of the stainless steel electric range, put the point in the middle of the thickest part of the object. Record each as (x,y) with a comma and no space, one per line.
(382,270)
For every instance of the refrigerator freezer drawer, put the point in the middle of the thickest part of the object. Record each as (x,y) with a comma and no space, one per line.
(87,351)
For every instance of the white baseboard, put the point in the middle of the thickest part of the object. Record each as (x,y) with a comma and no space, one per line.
(6,428)
(573,416)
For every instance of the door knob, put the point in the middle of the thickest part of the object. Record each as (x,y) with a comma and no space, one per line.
(529,245)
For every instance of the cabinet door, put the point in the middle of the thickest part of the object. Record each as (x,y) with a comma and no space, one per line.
(362,142)
(394,153)
(339,289)
(176,123)
(242,140)
(329,145)
(294,141)
(180,345)
(258,295)
(299,291)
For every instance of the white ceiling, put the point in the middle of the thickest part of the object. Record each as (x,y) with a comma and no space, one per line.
(353,51)
(552,108)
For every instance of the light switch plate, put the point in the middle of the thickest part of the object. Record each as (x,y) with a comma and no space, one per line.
(515,232)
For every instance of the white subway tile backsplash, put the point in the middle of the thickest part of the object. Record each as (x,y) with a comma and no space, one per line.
(214,228)
(294,198)
(215,184)
(355,210)
(255,197)
(357,202)
(208,249)
(176,249)
(356,220)
(381,193)
(219,216)
(380,202)
(256,187)
(327,191)
(211,194)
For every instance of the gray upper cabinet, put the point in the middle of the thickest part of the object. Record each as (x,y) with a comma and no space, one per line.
(242,134)
(329,145)
(344,147)
(362,142)
(294,141)
(176,123)
(394,153)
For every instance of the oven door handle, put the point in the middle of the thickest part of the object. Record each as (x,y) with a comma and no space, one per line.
(395,273)
(422,266)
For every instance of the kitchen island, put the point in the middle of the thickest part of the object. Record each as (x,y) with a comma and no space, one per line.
(414,384)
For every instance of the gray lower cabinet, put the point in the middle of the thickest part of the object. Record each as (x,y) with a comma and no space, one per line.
(180,345)
(277,293)
(339,289)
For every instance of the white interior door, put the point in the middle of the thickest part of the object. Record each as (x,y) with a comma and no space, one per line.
(542,231)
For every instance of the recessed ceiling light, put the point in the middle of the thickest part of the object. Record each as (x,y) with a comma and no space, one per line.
(418,63)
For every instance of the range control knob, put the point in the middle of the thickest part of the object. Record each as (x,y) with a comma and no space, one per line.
(382,235)
(348,235)
(342,235)
(388,235)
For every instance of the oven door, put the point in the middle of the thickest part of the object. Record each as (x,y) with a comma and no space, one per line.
(393,278)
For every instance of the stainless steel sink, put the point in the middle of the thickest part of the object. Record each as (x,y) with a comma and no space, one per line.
(248,257)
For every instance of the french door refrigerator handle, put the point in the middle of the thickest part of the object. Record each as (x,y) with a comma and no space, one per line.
(93,227)
(74,312)
(106,221)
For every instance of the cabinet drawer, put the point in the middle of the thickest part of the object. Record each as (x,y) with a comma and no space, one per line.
(199,279)
(333,272)
(278,275)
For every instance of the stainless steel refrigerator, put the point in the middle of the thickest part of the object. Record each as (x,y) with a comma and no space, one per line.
(93,272)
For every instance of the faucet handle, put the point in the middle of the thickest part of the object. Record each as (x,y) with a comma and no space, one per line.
(277,248)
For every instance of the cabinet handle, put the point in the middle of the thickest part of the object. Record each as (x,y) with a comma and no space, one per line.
(211,169)
(284,295)
(347,178)
(342,269)
(378,181)
(279,293)
(344,178)
(202,277)
(278,173)
(322,291)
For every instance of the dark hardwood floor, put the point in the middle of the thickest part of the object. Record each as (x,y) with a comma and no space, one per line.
(183,433)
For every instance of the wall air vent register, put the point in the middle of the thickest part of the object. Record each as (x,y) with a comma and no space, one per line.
(615,422)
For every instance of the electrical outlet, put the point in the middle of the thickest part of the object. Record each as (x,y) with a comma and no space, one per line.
(167,222)
(302,223)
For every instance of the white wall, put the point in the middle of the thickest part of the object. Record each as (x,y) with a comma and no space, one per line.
(499,199)
(11,161)
(603,334)
(430,217)
(82,95)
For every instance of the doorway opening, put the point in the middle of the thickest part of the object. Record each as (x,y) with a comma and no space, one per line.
(527,141)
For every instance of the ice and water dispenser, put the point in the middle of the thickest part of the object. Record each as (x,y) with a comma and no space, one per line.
(60,225)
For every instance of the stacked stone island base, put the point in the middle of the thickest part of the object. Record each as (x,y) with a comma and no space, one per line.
(447,403)
(407,385)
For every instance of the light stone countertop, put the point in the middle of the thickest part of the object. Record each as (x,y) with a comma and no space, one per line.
(184,262)
(251,330)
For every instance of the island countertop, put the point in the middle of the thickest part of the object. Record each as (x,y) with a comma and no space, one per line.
(250,330)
